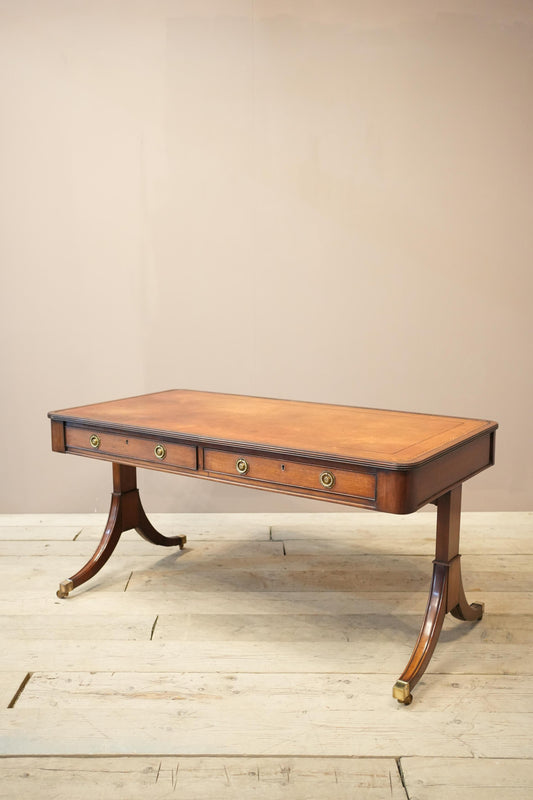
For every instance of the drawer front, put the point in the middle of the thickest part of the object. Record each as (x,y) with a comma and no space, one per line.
(291,473)
(132,447)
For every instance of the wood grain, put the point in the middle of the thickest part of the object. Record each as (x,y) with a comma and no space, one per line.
(189,778)
(454,658)
(468,779)
(137,603)
(180,691)
(273,731)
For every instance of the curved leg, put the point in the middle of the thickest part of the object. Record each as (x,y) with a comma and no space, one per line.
(126,512)
(447,594)
(145,529)
(107,544)
(427,638)
(457,604)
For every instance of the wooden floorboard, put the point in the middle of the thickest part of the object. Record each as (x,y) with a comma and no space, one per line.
(121,690)
(231,778)
(454,658)
(86,600)
(468,779)
(259,661)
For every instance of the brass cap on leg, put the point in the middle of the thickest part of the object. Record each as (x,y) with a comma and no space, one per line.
(64,588)
(402,692)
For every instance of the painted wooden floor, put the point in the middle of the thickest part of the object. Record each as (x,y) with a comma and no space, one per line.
(259,661)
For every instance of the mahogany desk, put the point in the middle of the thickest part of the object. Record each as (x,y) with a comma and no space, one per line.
(382,460)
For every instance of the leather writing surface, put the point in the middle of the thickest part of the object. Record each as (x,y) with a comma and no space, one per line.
(370,435)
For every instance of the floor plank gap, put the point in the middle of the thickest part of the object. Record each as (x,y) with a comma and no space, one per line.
(20,689)
(402,777)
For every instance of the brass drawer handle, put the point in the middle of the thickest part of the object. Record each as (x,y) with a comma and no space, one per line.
(327,479)
(160,451)
(95,441)
(242,466)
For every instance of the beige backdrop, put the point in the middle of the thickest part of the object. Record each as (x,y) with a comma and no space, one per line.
(325,200)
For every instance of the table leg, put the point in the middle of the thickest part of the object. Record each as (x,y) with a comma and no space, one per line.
(126,512)
(446,594)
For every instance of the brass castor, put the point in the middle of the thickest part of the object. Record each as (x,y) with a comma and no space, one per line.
(65,588)
(402,692)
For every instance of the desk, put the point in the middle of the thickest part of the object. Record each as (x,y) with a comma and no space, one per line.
(368,458)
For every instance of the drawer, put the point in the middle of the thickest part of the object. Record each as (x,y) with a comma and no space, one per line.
(131,447)
(291,473)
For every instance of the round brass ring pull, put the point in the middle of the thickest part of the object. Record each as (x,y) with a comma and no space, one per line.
(242,466)
(95,441)
(160,451)
(327,479)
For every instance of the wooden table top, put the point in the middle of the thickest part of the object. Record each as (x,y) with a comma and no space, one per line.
(395,439)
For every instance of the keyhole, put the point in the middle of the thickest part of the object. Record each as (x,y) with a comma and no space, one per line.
(283,467)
